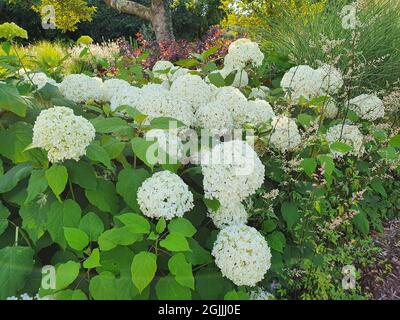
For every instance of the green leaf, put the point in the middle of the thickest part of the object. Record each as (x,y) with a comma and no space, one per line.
(182,226)
(187,63)
(109,125)
(143,269)
(206,54)
(57,178)
(76,238)
(92,225)
(198,255)
(340,147)
(161,225)
(82,173)
(395,141)
(388,153)
(175,242)
(309,165)
(378,187)
(269,225)
(129,181)
(168,289)
(182,270)
(4,214)
(113,146)
(216,79)
(212,204)
(35,218)
(66,214)
(236,295)
(145,151)
(10,179)
(93,261)
(11,100)
(16,263)
(95,152)
(361,222)
(165,123)
(117,236)
(37,184)
(305,119)
(104,287)
(276,241)
(66,273)
(135,223)
(290,214)
(104,196)
(328,165)
(70,295)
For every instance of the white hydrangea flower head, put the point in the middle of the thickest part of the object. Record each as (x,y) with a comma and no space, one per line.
(166,195)
(228,215)
(156,101)
(39,79)
(232,172)
(177,72)
(231,98)
(62,134)
(242,254)
(368,107)
(332,79)
(80,88)
(330,110)
(256,112)
(243,52)
(26,296)
(115,87)
(191,88)
(259,93)
(285,135)
(260,294)
(302,81)
(215,118)
(168,141)
(348,134)
(129,96)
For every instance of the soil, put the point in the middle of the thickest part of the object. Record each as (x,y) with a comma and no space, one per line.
(382,281)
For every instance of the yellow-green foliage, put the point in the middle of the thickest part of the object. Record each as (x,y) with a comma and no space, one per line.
(68,13)
(47,56)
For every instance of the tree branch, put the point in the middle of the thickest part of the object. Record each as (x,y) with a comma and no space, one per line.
(130,7)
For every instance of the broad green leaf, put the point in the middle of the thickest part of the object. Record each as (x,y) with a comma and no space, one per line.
(11,100)
(182,226)
(92,225)
(166,123)
(69,295)
(35,218)
(328,165)
(309,165)
(135,223)
(143,269)
(212,204)
(395,141)
(16,263)
(10,179)
(66,214)
(93,261)
(217,79)
(37,184)
(378,187)
(269,225)
(113,146)
(109,239)
(145,151)
(106,286)
(305,119)
(95,152)
(109,125)
(82,173)
(4,214)
(276,241)
(161,225)
(361,222)
(198,255)
(290,214)
(187,63)
(388,153)
(129,181)
(210,284)
(175,242)
(57,178)
(168,289)
(66,274)
(104,196)
(182,270)
(340,147)
(76,238)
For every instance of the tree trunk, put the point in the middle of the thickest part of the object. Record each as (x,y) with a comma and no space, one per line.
(161,21)
(158,14)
